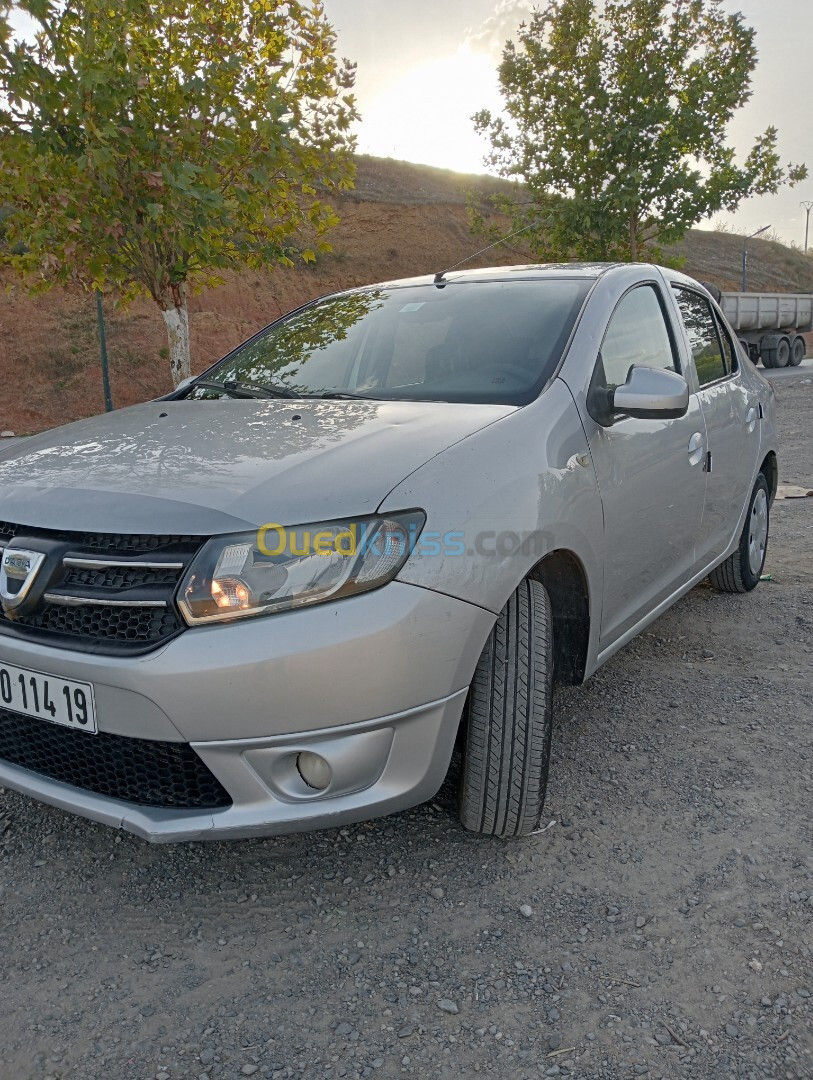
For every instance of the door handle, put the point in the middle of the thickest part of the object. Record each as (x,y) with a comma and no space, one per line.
(751,419)
(696,447)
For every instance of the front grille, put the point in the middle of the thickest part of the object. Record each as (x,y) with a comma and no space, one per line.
(117,578)
(135,625)
(164,774)
(111,593)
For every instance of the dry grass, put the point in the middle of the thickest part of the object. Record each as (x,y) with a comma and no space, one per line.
(401,220)
(772,267)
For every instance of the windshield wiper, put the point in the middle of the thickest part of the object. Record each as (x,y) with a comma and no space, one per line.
(334,395)
(259,388)
(246,390)
(232,391)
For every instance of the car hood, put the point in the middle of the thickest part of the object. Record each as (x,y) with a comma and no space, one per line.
(207,467)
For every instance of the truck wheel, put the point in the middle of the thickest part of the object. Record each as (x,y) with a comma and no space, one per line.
(782,356)
(508,737)
(740,573)
(768,357)
(797,352)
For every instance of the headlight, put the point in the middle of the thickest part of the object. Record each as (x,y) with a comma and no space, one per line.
(277,568)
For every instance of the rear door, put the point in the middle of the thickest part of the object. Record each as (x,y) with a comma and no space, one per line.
(731,414)
(650,472)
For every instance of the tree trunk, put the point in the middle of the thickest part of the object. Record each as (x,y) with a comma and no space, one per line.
(176,320)
(633,238)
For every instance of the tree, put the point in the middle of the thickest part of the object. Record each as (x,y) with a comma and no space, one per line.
(615,122)
(147,145)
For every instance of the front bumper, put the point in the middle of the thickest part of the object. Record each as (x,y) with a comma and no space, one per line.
(375,684)
(378,767)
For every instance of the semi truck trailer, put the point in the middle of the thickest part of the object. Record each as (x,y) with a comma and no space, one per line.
(770,325)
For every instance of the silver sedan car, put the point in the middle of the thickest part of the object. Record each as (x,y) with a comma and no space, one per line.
(278,598)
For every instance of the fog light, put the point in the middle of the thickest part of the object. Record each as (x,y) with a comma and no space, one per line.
(314,770)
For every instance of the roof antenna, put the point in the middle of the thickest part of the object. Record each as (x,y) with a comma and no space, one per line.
(442,273)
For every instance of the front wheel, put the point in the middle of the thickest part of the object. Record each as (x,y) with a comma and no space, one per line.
(742,570)
(508,735)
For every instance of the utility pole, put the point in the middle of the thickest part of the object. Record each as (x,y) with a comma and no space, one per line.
(759,232)
(808,206)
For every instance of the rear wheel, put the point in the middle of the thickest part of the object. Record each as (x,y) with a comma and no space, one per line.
(741,571)
(797,352)
(782,357)
(508,736)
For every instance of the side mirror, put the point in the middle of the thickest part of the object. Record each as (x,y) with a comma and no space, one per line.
(652,394)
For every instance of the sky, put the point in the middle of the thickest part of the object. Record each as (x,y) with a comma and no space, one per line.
(425,66)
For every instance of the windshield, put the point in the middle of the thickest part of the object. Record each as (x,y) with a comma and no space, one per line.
(491,342)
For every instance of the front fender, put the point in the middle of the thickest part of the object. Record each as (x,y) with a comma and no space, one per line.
(500,501)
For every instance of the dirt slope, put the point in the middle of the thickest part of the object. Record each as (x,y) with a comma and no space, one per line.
(401,220)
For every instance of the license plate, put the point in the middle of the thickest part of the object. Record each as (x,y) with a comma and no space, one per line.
(46,697)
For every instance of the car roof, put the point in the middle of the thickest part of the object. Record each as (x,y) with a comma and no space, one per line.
(578,271)
(535,271)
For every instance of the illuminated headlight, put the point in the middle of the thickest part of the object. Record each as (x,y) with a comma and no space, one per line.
(277,568)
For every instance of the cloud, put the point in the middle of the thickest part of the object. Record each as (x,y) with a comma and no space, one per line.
(491,34)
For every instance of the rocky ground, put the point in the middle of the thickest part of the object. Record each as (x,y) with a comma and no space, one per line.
(662,926)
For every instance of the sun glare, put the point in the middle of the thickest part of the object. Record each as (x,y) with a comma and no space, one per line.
(425,116)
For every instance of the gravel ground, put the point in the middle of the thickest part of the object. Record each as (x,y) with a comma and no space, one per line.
(660,927)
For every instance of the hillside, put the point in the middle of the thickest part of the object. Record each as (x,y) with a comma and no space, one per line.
(401,220)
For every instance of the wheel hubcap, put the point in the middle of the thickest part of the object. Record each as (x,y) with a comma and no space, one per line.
(758,532)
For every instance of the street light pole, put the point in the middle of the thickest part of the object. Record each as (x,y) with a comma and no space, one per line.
(808,206)
(745,255)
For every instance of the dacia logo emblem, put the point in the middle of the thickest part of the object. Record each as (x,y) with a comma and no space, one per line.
(18,572)
(17,564)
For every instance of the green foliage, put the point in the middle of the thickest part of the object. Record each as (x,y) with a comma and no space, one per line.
(615,123)
(148,143)
(5,213)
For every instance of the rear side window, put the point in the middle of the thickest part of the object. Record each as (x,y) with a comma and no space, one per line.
(701,326)
(637,335)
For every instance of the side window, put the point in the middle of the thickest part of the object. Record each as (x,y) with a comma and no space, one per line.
(637,334)
(729,349)
(701,327)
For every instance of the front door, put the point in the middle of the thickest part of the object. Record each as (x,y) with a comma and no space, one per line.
(650,472)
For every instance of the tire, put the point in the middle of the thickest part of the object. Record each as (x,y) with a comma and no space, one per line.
(508,737)
(768,358)
(782,357)
(797,351)
(740,573)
